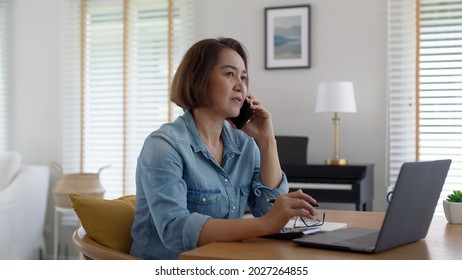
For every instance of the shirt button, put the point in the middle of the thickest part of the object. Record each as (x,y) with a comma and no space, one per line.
(204,199)
(234,207)
(226,180)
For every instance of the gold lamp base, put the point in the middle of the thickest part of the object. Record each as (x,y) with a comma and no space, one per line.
(336,160)
(341,161)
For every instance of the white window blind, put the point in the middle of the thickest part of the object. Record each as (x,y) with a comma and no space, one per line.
(425,85)
(5,97)
(118,58)
(440,95)
(401,119)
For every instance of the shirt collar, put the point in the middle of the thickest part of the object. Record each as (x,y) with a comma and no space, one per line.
(228,135)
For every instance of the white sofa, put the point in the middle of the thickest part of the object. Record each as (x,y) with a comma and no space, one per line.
(23,203)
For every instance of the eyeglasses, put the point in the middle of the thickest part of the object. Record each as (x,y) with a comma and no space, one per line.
(309,223)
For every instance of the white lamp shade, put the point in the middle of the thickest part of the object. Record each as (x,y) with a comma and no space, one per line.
(336,97)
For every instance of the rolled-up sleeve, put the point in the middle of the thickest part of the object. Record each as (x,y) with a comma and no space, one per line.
(262,193)
(192,229)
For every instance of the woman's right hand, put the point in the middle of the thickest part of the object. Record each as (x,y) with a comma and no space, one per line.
(287,206)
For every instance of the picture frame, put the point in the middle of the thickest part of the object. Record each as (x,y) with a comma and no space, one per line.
(287,37)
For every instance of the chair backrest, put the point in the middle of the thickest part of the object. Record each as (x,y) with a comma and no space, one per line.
(292,149)
(92,250)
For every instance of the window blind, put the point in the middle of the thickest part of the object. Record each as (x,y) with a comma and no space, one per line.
(401,119)
(118,56)
(440,94)
(425,83)
(5,97)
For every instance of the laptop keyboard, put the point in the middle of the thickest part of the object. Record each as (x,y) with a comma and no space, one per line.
(364,241)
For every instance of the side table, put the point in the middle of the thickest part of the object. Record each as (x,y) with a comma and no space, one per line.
(64,216)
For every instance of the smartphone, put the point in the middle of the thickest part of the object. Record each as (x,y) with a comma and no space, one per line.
(244,115)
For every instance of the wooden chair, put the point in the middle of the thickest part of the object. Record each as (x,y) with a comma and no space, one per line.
(92,250)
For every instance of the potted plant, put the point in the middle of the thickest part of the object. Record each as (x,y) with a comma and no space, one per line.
(453,207)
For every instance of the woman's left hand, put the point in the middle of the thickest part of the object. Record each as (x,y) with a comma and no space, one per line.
(260,126)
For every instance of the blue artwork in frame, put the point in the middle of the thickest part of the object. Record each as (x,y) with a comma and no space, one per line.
(287,37)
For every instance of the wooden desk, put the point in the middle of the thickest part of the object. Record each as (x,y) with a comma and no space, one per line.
(443,241)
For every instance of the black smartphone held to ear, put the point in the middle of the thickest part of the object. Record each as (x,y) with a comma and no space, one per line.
(244,115)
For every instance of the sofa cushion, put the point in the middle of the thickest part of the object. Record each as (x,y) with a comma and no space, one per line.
(10,164)
(105,221)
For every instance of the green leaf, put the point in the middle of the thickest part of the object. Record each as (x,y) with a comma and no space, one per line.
(455,196)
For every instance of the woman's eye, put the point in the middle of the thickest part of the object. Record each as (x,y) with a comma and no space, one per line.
(230,74)
(244,78)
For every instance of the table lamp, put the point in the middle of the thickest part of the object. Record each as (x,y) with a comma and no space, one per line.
(335,97)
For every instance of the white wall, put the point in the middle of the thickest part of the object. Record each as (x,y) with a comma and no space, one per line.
(36,79)
(35,64)
(348,43)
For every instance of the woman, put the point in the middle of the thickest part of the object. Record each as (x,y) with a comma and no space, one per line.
(196,176)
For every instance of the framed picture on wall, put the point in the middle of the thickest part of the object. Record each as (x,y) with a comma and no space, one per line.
(287,37)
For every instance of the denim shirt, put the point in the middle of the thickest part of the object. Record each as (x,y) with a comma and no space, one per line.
(179,185)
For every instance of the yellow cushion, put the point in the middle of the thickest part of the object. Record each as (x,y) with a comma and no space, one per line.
(107,222)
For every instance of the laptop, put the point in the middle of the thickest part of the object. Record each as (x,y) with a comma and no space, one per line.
(407,219)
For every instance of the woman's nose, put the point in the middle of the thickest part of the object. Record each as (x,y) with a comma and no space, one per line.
(239,86)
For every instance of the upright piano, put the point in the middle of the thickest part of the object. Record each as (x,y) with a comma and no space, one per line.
(334,183)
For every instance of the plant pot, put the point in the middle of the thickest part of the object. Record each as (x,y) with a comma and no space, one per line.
(453,211)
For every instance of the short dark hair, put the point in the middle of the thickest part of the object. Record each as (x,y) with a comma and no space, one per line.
(189,85)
